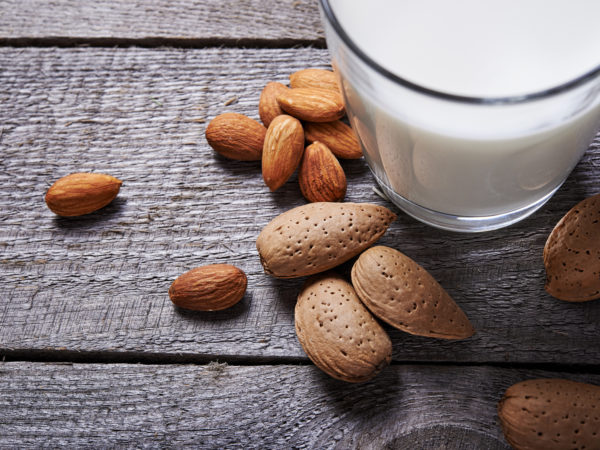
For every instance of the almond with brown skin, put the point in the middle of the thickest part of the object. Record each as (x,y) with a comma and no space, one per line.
(81,193)
(321,176)
(268,108)
(312,105)
(282,151)
(236,136)
(209,288)
(336,331)
(316,237)
(572,254)
(551,414)
(314,78)
(337,136)
(399,291)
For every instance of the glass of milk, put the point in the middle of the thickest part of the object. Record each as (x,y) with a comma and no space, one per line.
(471,113)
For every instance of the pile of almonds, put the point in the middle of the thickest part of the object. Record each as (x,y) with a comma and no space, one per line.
(309,111)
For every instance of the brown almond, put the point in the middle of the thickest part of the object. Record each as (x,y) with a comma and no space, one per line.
(551,414)
(209,288)
(268,108)
(314,78)
(572,254)
(282,151)
(321,176)
(81,193)
(312,105)
(316,237)
(236,136)
(399,291)
(337,136)
(337,332)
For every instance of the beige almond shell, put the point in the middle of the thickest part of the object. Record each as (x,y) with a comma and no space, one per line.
(314,78)
(551,414)
(236,136)
(209,288)
(400,292)
(318,236)
(268,108)
(312,104)
(81,193)
(337,136)
(572,254)
(337,332)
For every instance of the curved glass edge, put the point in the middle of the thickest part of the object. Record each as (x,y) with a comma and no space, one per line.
(333,21)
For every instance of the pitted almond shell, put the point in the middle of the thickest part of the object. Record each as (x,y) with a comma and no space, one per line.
(572,254)
(81,193)
(209,288)
(236,136)
(268,108)
(321,177)
(337,136)
(314,78)
(316,237)
(337,332)
(312,104)
(399,291)
(551,414)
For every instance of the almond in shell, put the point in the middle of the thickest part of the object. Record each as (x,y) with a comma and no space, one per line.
(316,237)
(209,288)
(551,414)
(314,78)
(236,136)
(81,193)
(321,177)
(282,151)
(399,291)
(337,136)
(268,108)
(312,104)
(336,331)
(572,254)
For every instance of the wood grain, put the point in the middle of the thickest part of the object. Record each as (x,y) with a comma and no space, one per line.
(220,406)
(178,22)
(99,283)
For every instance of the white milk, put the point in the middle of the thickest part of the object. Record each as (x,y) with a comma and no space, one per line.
(470,159)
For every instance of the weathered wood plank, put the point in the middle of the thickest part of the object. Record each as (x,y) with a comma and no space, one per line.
(179,20)
(220,406)
(99,283)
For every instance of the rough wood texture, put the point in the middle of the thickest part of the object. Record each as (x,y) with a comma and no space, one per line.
(176,21)
(99,283)
(220,406)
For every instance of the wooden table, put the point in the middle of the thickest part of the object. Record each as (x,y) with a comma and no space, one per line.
(94,353)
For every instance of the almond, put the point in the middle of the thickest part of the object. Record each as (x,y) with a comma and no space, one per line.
(312,105)
(551,414)
(321,176)
(337,136)
(209,288)
(81,193)
(315,78)
(336,331)
(399,291)
(268,108)
(282,151)
(236,136)
(572,254)
(316,237)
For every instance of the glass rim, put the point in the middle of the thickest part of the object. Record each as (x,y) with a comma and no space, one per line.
(333,21)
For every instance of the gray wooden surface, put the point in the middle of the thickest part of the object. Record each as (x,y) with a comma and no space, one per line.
(94,289)
(281,406)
